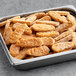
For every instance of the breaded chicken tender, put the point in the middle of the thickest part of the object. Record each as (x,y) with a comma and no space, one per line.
(63,27)
(47,34)
(38,51)
(48,41)
(63,13)
(45,18)
(29,42)
(71,18)
(59,47)
(22,54)
(29,21)
(28,31)
(62,35)
(14,50)
(7,34)
(65,39)
(42,27)
(56,16)
(40,15)
(16,25)
(73,28)
(16,35)
(74,39)
(54,23)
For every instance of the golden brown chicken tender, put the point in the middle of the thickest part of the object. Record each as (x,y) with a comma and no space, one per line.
(74,39)
(59,47)
(22,54)
(73,28)
(71,18)
(42,27)
(14,50)
(47,34)
(17,33)
(63,27)
(7,24)
(65,39)
(16,25)
(48,41)
(62,35)
(29,42)
(29,21)
(40,15)
(45,18)
(7,34)
(63,13)
(54,23)
(38,51)
(56,16)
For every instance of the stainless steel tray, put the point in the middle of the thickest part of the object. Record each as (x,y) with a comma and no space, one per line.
(44,60)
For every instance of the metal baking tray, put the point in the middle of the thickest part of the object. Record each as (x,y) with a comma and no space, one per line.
(43,60)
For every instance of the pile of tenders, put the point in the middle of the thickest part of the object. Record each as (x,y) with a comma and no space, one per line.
(39,34)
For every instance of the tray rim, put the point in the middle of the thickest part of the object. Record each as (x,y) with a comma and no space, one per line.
(14,61)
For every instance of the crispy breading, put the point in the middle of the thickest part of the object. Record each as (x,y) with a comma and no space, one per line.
(22,54)
(29,42)
(65,39)
(48,41)
(73,28)
(40,15)
(7,24)
(45,18)
(74,39)
(16,35)
(16,25)
(70,18)
(47,34)
(18,20)
(62,35)
(42,27)
(14,50)
(64,13)
(38,51)
(29,21)
(56,16)
(28,31)
(63,27)
(59,47)
(54,23)
(7,34)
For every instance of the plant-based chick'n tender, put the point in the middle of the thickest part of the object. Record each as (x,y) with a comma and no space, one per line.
(29,42)
(42,27)
(39,34)
(54,23)
(47,34)
(14,50)
(38,51)
(59,47)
